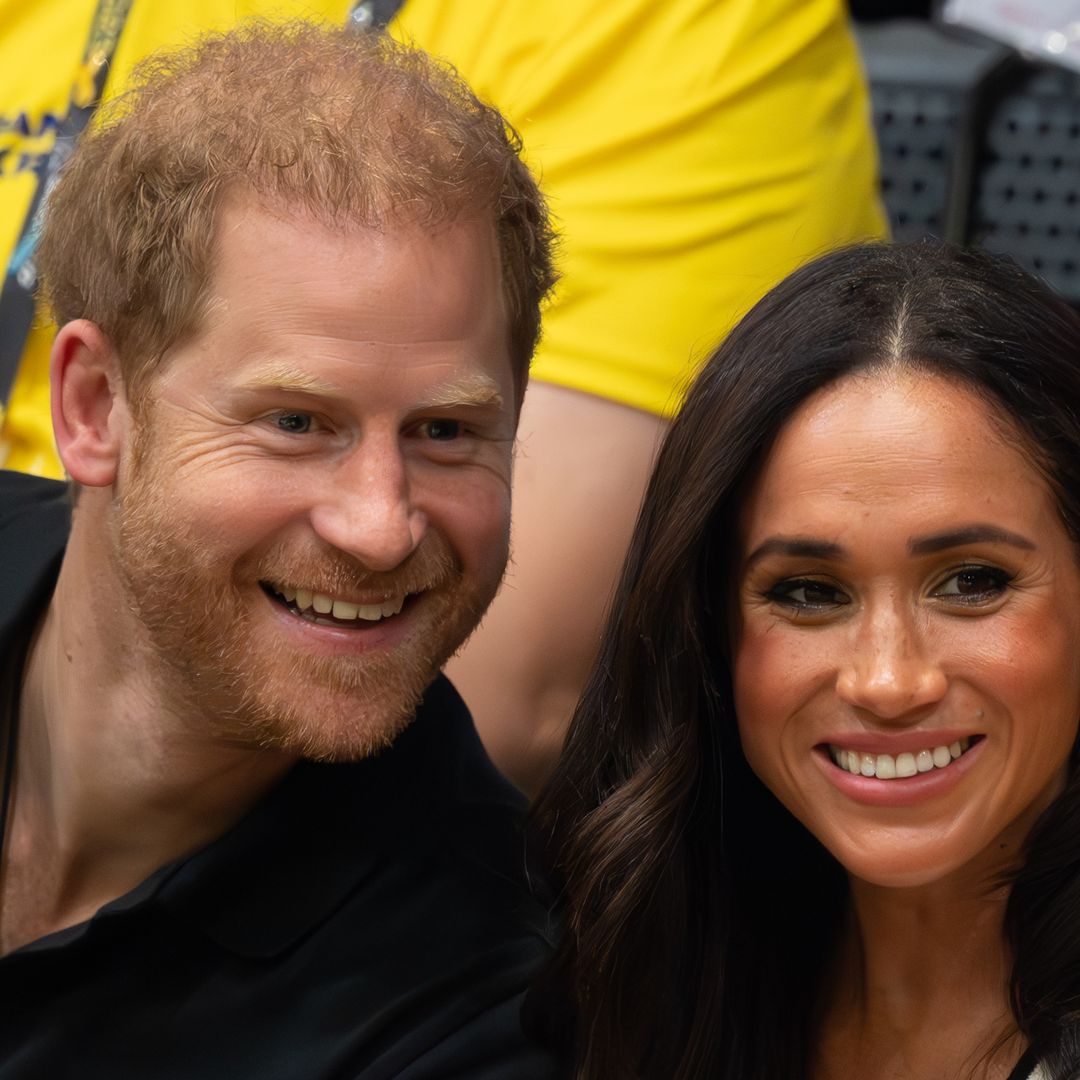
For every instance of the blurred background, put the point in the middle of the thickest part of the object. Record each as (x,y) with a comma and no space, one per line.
(976,108)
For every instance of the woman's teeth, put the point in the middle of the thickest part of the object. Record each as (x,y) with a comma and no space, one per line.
(321,604)
(887,767)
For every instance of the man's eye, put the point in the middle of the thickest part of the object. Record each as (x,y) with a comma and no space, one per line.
(442,430)
(805,594)
(974,584)
(294,423)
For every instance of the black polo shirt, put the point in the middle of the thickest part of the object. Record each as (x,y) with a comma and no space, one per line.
(364,920)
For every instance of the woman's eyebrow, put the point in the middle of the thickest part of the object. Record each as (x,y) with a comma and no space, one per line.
(797,546)
(968,534)
(810,547)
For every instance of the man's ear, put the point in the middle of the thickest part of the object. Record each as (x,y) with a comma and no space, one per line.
(89,406)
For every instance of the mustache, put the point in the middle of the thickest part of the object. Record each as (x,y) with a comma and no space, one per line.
(332,572)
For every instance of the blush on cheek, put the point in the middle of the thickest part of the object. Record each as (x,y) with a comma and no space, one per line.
(1025,663)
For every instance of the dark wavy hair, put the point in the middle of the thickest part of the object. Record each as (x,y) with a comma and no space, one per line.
(700,914)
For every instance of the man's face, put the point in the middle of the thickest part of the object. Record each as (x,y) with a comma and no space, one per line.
(314,511)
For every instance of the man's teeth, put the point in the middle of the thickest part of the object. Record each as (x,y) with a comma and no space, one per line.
(887,767)
(321,604)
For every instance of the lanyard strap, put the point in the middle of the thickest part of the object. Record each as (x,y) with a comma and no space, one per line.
(20,281)
(373,14)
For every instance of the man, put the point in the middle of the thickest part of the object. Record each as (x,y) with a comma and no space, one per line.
(297,276)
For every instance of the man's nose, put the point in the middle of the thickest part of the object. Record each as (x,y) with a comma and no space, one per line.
(889,671)
(366,509)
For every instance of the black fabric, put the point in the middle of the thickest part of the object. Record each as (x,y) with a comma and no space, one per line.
(1024,1067)
(383,11)
(368,920)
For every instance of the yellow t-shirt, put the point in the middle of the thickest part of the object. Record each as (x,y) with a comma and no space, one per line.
(41,51)
(694,152)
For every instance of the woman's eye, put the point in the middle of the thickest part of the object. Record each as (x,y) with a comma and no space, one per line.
(442,430)
(974,584)
(294,423)
(807,594)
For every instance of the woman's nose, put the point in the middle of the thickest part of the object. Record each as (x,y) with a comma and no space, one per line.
(889,671)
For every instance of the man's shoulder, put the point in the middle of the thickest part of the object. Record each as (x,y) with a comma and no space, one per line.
(32,507)
(20,492)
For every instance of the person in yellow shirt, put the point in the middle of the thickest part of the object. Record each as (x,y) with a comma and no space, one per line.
(693,153)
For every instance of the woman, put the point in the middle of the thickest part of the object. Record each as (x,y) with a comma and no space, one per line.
(819,814)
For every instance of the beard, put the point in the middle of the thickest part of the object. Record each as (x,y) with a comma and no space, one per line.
(209,627)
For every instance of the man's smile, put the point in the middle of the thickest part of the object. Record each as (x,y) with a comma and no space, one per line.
(333,611)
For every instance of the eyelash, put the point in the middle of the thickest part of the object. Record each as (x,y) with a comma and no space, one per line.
(1000,581)
(781,592)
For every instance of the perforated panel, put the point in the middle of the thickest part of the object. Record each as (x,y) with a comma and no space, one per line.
(1027,191)
(925,85)
(915,128)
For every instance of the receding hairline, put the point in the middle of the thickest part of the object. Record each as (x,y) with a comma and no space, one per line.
(374,133)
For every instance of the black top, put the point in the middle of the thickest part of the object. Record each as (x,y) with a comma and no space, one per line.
(1024,1067)
(364,920)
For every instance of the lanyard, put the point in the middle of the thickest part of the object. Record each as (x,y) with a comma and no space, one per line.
(20,281)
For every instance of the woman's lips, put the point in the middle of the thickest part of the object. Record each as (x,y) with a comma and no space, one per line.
(903,778)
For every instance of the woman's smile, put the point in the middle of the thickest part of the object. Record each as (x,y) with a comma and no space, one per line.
(903,779)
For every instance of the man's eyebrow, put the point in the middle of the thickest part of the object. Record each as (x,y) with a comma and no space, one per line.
(968,534)
(477,391)
(287,377)
(797,546)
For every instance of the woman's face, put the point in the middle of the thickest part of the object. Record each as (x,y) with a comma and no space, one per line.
(907,652)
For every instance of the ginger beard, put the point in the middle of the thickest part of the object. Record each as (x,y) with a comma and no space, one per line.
(210,626)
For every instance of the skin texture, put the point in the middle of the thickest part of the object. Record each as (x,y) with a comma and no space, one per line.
(877,644)
(572,525)
(346,416)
